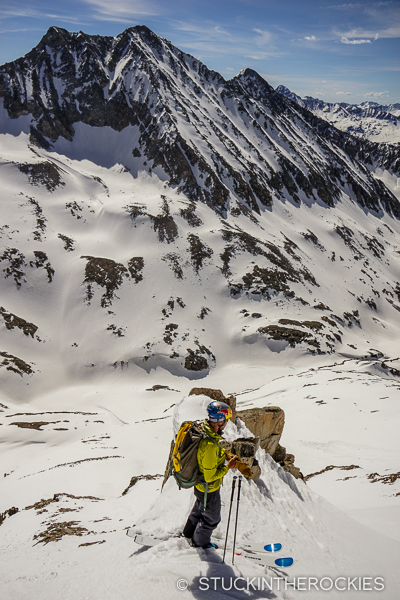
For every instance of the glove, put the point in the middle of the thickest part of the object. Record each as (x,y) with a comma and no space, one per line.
(241,466)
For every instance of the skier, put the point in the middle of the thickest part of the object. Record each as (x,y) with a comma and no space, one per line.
(206,512)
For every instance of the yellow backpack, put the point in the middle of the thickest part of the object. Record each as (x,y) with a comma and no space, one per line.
(184,466)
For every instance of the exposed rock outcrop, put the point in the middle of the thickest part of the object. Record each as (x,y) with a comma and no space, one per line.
(266,423)
(287,462)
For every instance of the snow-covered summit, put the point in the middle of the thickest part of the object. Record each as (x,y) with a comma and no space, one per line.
(211,138)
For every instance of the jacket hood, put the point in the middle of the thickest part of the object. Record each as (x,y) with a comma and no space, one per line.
(210,431)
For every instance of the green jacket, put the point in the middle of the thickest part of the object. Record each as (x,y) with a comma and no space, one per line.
(211,459)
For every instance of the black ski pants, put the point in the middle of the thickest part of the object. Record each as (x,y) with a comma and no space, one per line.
(201,523)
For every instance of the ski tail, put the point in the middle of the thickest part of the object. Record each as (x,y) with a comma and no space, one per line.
(284,562)
(150,540)
(273,547)
(144,540)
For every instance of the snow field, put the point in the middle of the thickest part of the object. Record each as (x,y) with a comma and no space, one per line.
(323,541)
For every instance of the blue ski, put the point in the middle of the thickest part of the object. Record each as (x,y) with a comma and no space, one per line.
(267,561)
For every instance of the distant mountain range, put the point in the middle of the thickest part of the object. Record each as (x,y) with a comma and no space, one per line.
(157,215)
(369,120)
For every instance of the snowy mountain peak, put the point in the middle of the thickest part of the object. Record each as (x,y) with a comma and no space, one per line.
(250,77)
(367,120)
(288,94)
(130,154)
(140,80)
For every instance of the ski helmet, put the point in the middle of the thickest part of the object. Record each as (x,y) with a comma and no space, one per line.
(218,411)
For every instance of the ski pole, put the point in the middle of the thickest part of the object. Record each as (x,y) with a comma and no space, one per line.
(237,513)
(229,516)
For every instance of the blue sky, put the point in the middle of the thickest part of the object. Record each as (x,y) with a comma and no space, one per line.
(333,50)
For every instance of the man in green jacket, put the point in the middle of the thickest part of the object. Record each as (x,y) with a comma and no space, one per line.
(205,516)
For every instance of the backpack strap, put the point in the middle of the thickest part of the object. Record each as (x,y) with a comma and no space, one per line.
(205,494)
(214,441)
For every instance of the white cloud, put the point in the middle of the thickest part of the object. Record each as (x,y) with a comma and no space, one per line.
(213,40)
(349,6)
(120,10)
(376,94)
(366,6)
(307,38)
(343,93)
(264,37)
(262,55)
(13,30)
(35,14)
(388,32)
(207,31)
(345,40)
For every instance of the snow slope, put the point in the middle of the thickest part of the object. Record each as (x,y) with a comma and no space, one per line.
(264,264)
(339,288)
(83,424)
(102,561)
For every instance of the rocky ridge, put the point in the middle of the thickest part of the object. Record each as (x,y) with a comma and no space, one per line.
(151,192)
(252,151)
(367,120)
